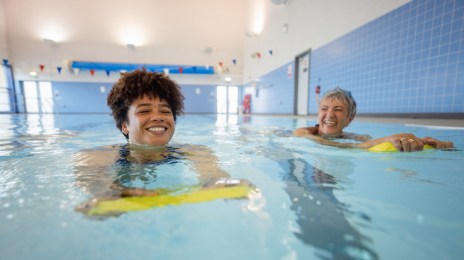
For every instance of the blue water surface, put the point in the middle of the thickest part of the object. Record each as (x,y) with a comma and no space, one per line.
(315,202)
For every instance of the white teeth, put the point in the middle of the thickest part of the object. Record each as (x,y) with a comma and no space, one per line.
(329,122)
(157,129)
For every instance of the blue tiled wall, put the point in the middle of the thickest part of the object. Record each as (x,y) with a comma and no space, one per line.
(410,60)
(273,92)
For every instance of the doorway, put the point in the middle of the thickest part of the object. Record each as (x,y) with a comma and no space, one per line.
(302,65)
(227,99)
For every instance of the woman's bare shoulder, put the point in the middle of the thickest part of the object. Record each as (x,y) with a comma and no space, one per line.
(304,131)
(102,155)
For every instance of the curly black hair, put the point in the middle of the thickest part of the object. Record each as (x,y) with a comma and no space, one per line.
(136,84)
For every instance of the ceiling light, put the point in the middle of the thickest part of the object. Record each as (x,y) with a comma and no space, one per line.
(50,41)
(251,34)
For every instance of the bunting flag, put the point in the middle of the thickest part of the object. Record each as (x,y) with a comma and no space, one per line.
(259,55)
(107,72)
(92,72)
(270,52)
(76,71)
(5,62)
(234,61)
(219,69)
(181,70)
(166,71)
(42,67)
(220,63)
(59,69)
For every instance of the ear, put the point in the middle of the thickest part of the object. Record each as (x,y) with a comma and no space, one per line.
(349,121)
(124,128)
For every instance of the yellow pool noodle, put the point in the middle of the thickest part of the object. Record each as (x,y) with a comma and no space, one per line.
(389,147)
(125,204)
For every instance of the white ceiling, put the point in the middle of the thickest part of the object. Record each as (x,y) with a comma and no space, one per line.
(169,31)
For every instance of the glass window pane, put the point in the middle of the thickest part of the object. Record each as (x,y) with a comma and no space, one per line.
(46,97)
(31,97)
(233,99)
(4,94)
(221,99)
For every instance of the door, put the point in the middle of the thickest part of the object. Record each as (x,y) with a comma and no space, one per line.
(302,65)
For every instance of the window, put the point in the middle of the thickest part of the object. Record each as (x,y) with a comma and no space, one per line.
(38,97)
(227,99)
(4,93)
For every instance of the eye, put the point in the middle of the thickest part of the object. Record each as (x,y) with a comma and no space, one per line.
(168,112)
(144,111)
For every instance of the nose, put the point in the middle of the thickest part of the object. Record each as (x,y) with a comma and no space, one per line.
(157,117)
(330,112)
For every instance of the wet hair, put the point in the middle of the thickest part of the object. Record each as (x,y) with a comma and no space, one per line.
(343,96)
(136,84)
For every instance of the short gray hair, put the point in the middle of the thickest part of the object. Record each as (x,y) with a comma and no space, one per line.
(344,96)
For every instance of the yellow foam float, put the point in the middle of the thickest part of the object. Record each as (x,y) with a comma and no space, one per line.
(389,147)
(125,204)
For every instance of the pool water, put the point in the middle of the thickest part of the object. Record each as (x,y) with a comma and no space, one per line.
(314,202)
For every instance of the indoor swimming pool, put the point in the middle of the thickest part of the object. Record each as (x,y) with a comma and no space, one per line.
(311,201)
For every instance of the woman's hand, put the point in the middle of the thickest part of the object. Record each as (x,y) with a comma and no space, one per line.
(437,143)
(406,142)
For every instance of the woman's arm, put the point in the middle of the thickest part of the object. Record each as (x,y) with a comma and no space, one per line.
(404,142)
(204,162)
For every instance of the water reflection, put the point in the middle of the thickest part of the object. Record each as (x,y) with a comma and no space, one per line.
(322,219)
(320,216)
(28,134)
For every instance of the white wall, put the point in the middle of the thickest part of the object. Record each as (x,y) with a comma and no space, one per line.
(3,42)
(311,24)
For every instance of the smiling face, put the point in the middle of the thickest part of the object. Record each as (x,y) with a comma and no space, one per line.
(333,116)
(150,121)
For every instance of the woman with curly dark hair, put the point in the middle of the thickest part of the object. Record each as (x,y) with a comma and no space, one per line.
(145,106)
